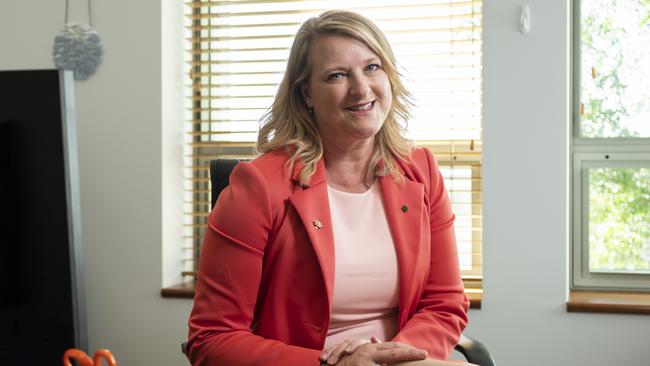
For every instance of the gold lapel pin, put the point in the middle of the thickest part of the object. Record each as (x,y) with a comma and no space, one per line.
(317,224)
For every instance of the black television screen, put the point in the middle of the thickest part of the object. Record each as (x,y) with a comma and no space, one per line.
(42,311)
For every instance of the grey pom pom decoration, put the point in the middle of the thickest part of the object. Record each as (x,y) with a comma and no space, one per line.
(77,47)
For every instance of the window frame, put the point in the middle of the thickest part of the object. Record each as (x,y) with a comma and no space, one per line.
(582,162)
(586,152)
(457,153)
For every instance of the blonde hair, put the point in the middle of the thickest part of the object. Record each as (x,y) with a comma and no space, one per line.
(288,123)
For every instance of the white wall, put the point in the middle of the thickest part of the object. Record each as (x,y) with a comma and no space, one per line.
(526,130)
(121,113)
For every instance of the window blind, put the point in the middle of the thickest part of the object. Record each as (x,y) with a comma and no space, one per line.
(236,55)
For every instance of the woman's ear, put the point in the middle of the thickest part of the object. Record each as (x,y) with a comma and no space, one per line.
(305,96)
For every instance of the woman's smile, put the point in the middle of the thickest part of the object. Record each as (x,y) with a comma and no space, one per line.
(362,107)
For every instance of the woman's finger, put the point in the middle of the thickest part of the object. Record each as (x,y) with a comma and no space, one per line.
(326,352)
(391,345)
(374,339)
(338,352)
(354,344)
(398,354)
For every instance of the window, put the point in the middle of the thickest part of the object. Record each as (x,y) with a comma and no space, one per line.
(611,145)
(237,56)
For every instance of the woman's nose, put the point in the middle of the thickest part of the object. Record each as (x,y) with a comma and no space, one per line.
(359,86)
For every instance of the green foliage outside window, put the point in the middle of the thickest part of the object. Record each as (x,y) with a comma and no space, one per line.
(615,98)
(615,90)
(619,219)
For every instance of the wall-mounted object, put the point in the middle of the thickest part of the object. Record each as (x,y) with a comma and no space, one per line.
(77,47)
(524,19)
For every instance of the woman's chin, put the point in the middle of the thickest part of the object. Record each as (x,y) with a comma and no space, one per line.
(367,133)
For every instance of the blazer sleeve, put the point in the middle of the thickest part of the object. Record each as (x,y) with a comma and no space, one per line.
(441,313)
(230,270)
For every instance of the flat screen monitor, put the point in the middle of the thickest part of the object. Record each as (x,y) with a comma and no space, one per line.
(42,301)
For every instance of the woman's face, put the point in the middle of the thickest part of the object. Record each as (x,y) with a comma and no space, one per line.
(348,90)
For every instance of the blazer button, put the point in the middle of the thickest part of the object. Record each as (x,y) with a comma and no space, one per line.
(405,208)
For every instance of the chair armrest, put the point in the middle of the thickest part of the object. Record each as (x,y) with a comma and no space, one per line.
(474,351)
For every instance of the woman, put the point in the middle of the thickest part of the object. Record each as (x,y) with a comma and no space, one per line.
(340,232)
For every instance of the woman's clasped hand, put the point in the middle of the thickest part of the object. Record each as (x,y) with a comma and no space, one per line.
(362,352)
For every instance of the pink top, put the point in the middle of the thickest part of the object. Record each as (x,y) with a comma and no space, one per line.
(365,295)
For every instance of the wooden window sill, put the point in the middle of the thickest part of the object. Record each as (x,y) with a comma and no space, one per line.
(609,302)
(475,296)
(183,291)
(186,291)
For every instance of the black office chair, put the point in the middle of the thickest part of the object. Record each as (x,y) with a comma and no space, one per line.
(474,351)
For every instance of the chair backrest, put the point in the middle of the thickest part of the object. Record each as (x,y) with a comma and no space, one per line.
(219,172)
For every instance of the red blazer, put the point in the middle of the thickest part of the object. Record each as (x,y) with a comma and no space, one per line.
(264,290)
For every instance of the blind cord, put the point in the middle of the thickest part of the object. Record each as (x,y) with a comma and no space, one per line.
(67,12)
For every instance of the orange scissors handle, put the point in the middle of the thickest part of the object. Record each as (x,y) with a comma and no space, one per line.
(80,356)
(107,355)
(84,360)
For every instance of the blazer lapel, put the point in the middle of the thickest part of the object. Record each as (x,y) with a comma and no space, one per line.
(403,203)
(312,205)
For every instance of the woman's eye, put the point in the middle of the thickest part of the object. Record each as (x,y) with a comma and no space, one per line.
(335,76)
(373,67)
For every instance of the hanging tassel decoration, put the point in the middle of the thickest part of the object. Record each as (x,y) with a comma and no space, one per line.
(77,47)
